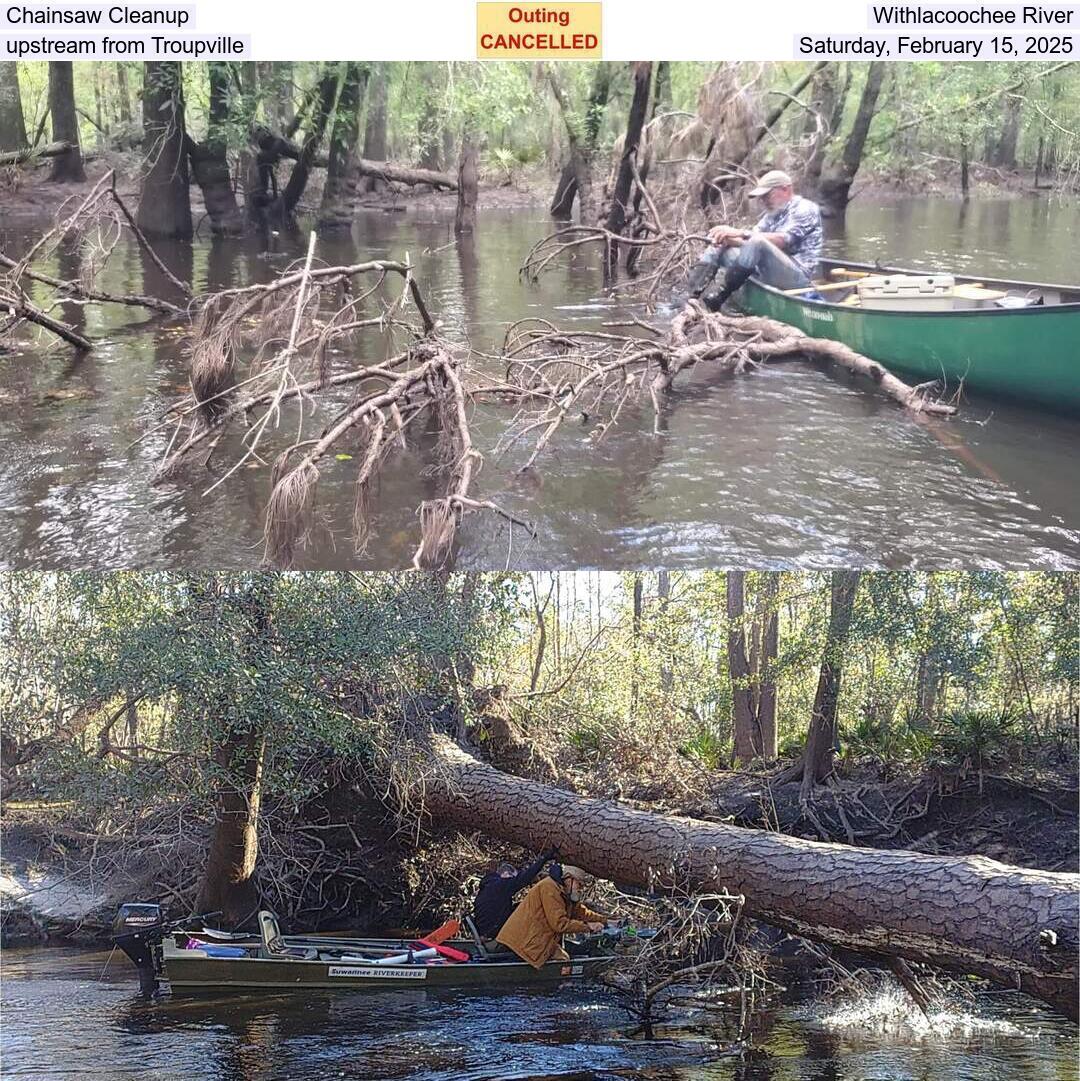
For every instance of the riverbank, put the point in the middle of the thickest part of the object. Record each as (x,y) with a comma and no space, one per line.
(61,881)
(29,196)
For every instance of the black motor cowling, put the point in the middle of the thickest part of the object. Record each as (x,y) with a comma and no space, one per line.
(138,930)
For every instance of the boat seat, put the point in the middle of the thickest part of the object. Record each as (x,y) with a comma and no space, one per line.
(274,944)
(477,938)
(975,291)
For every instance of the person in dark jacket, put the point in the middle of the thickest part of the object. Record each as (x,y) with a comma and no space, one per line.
(495,898)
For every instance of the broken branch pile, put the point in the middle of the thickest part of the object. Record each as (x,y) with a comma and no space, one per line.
(594,374)
(254,349)
(91,232)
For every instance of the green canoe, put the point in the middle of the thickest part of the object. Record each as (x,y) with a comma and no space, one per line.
(1029,355)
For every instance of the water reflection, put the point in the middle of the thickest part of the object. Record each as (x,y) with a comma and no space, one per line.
(63,1022)
(780,468)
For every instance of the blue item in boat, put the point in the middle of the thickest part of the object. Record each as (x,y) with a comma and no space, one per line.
(223,951)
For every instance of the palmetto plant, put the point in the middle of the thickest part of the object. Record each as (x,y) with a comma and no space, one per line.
(974,738)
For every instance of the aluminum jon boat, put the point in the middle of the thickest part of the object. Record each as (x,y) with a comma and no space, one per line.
(1014,340)
(176,958)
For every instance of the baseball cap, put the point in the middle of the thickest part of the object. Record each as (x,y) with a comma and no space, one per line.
(777,178)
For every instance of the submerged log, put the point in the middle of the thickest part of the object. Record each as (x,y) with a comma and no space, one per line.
(1015,926)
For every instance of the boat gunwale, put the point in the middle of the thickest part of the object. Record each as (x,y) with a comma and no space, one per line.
(1035,309)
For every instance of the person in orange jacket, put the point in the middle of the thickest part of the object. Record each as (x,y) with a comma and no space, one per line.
(551,909)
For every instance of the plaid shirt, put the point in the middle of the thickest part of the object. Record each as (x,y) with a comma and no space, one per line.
(800,222)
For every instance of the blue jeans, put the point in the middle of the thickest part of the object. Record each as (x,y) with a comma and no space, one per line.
(764,260)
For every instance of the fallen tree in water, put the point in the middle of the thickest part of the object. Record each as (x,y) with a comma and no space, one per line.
(594,374)
(1017,927)
(256,348)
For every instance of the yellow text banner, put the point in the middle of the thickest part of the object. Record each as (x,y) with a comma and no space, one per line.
(538,31)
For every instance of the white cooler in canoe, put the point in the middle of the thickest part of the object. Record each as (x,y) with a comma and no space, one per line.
(907,292)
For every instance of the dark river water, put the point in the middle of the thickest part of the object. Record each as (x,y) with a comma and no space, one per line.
(782,468)
(64,1021)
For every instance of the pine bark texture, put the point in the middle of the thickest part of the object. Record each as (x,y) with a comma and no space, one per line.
(965,913)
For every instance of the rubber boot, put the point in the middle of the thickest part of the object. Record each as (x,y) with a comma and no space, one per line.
(701,274)
(734,279)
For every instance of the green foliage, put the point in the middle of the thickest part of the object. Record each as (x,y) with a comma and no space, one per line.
(974,738)
(708,748)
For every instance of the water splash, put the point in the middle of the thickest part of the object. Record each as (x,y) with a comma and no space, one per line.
(891,1015)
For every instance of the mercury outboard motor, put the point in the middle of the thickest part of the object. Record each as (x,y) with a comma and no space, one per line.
(138,930)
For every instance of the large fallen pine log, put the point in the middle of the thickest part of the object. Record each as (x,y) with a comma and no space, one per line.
(1018,927)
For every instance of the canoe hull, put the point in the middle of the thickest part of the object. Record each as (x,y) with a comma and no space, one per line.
(1029,356)
(197,973)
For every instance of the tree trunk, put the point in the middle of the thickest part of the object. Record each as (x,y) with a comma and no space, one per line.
(969,914)
(12,122)
(826,89)
(663,592)
(285,206)
(965,169)
(375,126)
(336,211)
(209,159)
(821,742)
(427,132)
(575,181)
(770,648)
(122,94)
(635,664)
(250,175)
(1005,151)
(661,88)
(836,183)
(624,180)
(743,721)
(468,182)
(165,202)
(228,884)
(67,167)
(566,189)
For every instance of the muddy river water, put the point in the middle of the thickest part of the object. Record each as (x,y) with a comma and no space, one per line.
(73,1015)
(785,467)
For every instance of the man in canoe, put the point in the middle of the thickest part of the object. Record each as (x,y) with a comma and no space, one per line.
(782,250)
(495,898)
(551,909)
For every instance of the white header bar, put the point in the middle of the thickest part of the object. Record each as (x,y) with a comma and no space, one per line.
(704,30)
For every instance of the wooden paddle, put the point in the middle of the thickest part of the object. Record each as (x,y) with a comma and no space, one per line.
(819,288)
